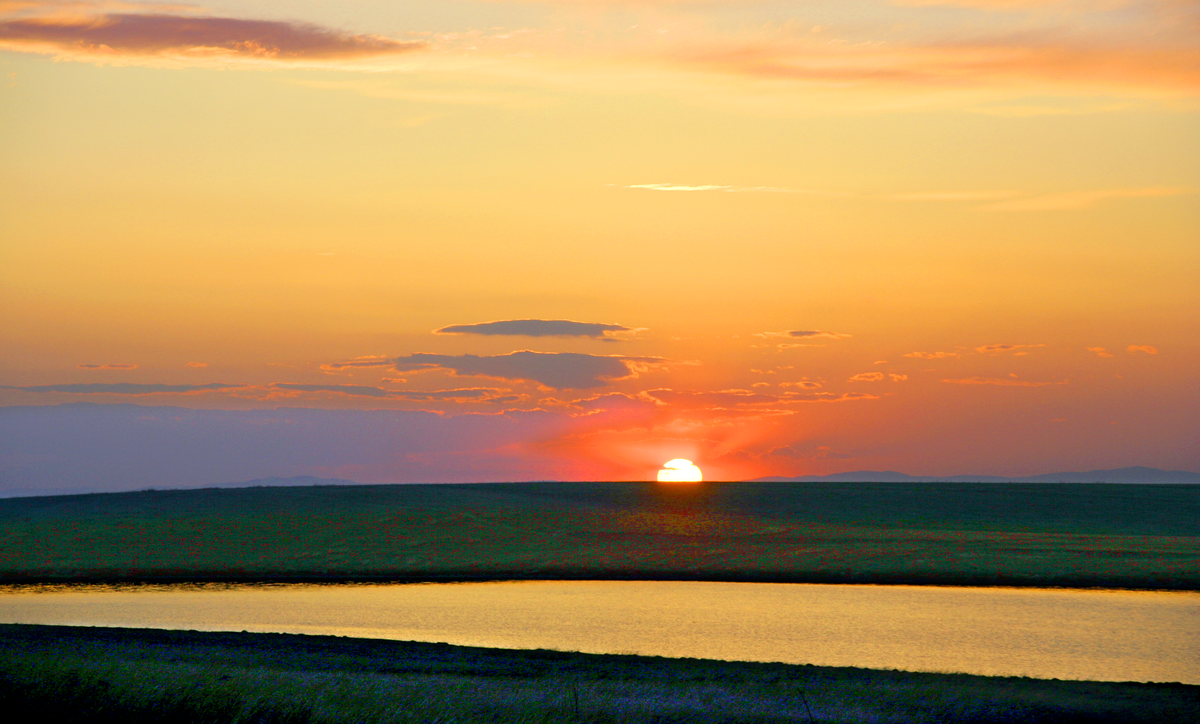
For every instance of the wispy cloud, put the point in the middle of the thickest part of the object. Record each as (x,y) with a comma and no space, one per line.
(555,370)
(109,366)
(1042,60)
(878,377)
(1001,348)
(275,389)
(933,355)
(1084,199)
(115,36)
(678,187)
(812,333)
(804,334)
(1011,5)
(469,394)
(462,394)
(357,390)
(1144,348)
(1002,382)
(951,196)
(61,8)
(122,388)
(1100,351)
(827,396)
(540,328)
(729,399)
(721,398)
(803,384)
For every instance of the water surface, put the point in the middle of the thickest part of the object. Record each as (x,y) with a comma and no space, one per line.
(1046,633)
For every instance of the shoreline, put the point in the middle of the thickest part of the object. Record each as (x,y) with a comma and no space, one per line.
(1064,583)
(389,647)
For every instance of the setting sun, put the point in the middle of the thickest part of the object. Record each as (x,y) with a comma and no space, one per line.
(679,471)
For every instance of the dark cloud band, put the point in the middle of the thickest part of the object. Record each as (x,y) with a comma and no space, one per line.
(810,333)
(472,394)
(537,328)
(560,371)
(123,388)
(107,366)
(358,390)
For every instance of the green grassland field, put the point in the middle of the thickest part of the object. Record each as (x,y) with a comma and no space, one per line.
(1128,536)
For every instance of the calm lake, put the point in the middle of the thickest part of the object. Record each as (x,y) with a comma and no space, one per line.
(1046,633)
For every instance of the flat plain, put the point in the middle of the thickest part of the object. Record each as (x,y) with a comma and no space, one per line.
(1078,535)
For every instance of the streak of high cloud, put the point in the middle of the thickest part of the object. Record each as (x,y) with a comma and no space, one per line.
(470,394)
(117,36)
(122,388)
(733,399)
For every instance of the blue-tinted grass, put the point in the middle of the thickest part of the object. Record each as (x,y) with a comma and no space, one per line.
(52,673)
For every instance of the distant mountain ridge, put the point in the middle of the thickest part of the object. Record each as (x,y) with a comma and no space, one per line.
(1133,475)
(295,480)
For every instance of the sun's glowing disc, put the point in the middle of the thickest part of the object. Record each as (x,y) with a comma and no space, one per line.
(679,471)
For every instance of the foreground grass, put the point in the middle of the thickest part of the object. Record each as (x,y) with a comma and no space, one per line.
(50,673)
(1129,536)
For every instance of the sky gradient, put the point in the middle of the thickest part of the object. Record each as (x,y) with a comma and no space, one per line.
(577,239)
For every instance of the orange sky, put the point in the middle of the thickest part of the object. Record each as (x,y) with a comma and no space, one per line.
(936,236)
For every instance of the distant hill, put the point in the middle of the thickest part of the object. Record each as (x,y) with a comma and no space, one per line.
(295,480)
(1118,475)
(272,482)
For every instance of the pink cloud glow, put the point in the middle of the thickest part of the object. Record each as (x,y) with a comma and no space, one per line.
(121,34)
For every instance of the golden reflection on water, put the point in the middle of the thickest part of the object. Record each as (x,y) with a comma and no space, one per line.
(1047,633)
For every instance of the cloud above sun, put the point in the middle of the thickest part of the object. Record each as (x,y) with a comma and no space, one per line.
(805,334)
(107,366)
(812,333)
(555,370)
(539,328)
(1000,348)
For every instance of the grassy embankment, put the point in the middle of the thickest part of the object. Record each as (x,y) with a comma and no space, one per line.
(1135,536)
(51,673)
